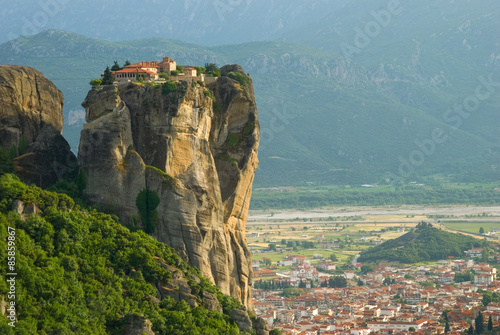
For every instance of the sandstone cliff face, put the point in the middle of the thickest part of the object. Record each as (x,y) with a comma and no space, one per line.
(31,121)
(197,157)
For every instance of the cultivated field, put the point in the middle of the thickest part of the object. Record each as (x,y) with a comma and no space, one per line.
(345,231)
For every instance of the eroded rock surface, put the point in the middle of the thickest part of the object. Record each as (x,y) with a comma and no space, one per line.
(193,150)
(137,325)
(31,122)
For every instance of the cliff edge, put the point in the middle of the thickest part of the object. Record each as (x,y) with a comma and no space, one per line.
(178,160)
(31,122)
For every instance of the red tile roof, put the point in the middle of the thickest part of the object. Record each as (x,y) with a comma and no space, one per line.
(134,70)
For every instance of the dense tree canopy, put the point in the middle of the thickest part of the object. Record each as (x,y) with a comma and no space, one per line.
(107,78)
(425,243)
(80,272)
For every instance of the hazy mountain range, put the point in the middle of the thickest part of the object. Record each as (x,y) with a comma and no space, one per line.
(348,91)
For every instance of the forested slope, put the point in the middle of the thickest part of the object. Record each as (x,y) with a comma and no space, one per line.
(81,272)
(425,243)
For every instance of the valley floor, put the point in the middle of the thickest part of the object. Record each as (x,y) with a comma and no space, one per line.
(380,214)
(307,278)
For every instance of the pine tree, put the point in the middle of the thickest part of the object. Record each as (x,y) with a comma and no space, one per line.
(446,326)
(471,330)
(479,323)
(107,79)
(490,324)
(116,67)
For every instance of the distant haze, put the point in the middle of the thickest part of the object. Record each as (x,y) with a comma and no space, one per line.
(198,21)
(348,92)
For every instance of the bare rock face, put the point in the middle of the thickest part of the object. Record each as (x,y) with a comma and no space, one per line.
(29,102)
(137,325)
(31,121)
(240,317)
(260,326)
(179,162)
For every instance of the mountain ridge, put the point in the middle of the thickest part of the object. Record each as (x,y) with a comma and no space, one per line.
(344,105)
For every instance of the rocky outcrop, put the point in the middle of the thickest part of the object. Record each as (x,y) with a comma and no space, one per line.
(179,160)
(241,318)
(31,121)
(260,326)
(137,325)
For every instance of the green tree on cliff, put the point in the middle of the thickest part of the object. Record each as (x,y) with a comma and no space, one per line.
(146,203)
(212,69)
(116,67)
(96,83)
(107,78)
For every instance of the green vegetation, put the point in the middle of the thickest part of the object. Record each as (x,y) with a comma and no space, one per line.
(212,70)
(23,145)
(318,196)
(107,79)
(164,75)
(72,187)
(461,277)
(240,77)
(95,83)
(233,139)
(6,157)
(490,297)
(423,244)
(291,292)
(209,94)
(146,203)
(116,66)
(249,127)
(479,322)
(81,272)
(200,69)
(227,158)
(335,281)
(168,179)
(367,268)
(276,331)
(469,227)
(169,87)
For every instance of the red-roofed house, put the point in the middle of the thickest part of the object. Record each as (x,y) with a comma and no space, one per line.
(135,73)
(264,273)
(190,72)
(167,65)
